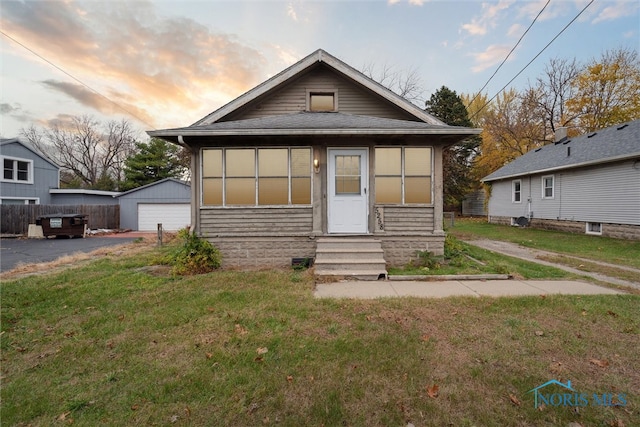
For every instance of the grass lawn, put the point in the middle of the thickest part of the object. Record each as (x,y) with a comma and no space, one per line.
(617,251)
(113,342)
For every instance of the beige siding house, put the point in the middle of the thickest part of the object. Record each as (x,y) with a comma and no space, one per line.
(319,152)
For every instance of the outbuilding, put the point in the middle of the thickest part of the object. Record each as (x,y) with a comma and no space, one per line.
(165,202)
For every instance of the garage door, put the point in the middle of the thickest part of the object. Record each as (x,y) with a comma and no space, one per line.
(172,216)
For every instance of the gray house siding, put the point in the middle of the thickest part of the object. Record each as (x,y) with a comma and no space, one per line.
(604,194)
(165,191)
(293,98)
(45,174)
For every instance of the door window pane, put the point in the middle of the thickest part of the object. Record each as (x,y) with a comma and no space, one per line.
(347,174)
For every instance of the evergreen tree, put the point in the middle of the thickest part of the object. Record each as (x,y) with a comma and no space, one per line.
(458,159)
(155,160)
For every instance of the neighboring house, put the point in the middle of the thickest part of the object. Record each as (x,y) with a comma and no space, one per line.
(165,202)
(27,174)
(588,184)
(317,150)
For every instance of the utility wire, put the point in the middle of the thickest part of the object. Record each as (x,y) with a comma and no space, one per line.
(530,62)
(77,80)
(510,52)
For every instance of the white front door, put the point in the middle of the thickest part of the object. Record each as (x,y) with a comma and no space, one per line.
(348,186)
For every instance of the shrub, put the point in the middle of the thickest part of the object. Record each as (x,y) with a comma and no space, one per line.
(194,256)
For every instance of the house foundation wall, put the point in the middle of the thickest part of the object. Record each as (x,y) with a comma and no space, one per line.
(400,250)
(617,231)
(267,252)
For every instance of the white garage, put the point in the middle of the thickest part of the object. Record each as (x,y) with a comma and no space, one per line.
(166,202)
(172,216)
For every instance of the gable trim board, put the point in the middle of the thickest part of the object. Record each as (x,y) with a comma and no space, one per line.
(597,181)
(263,211)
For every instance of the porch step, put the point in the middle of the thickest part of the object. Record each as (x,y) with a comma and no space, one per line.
(358,258)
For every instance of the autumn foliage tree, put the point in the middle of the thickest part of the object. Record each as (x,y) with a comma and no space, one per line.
(458,159)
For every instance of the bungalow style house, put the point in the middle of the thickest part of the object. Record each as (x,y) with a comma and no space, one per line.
(27,174)
(587,184)
(316,157)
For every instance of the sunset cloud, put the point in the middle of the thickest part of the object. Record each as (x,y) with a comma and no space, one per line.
(166,65)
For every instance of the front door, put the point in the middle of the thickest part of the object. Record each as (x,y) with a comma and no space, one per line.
(348,185)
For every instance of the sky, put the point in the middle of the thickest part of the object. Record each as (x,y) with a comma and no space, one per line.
(165,64)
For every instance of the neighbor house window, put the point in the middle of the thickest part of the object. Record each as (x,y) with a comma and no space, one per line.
(256,176)
(403,175)
(516,185)
(594,228)
(322,101)
(547,187)
(17,170)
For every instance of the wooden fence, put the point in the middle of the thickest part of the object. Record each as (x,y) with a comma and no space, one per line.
(15,219)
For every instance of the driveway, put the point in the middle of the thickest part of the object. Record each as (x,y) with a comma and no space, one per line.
(28,251)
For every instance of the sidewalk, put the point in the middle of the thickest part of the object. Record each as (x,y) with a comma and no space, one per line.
(448,288)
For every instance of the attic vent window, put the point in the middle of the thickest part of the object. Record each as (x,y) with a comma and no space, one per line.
(322,101)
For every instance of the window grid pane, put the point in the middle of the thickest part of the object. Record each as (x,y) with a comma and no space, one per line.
(347,180)
(23,171)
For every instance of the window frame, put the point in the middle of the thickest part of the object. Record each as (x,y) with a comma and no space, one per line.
(25,200)
(14,178)
(588,229)
(312,92)
(544,188)
(403,175)
(518,192)
(256,177)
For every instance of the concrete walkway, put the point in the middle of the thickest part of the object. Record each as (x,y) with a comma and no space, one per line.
(449,288)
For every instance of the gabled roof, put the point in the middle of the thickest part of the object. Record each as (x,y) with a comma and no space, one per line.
(300,67)
(611,144)
(29,147)
(308,123)
(162,181)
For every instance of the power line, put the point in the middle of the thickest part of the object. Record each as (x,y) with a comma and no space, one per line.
(511,51)
(76,79)
(530,62)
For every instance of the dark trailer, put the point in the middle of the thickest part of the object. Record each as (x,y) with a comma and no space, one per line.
(66,225)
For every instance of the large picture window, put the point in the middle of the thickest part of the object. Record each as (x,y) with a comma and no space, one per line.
(403,175)
(256,176)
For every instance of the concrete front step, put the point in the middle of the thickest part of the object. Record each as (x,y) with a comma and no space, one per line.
(359,258)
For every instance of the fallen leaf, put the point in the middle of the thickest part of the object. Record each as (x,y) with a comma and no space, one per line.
(617,423)
(602,363)
(134,407)
(611,313)
(211,309)
(514,399)
(539,333)
(289,378)
(543,296)
(426,338)
(432,391)
(240,330)
(542,407)
(584,312)
(258,359)
(209,355)
(174,418)
(575,424)
(64,416)
(262,350)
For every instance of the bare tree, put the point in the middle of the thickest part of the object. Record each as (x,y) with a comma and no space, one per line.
(555,88)
(407,84)
(93,152)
